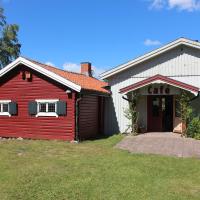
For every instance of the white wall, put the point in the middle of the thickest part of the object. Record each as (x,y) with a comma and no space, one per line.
(142,110)
(182,65)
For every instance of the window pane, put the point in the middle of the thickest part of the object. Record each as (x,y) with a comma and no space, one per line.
(163,104)
(51,107)
(5,107)
(155,106)
(42,107)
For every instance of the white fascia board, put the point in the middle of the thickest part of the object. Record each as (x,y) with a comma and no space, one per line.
(41,70)
(171,45)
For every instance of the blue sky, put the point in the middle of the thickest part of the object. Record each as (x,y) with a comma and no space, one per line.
(104,32)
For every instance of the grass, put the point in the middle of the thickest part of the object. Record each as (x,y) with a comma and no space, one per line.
(92,170)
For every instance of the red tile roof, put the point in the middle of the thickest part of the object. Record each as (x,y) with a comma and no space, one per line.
(86,82)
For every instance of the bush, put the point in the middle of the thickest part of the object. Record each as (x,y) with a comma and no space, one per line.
(193,129)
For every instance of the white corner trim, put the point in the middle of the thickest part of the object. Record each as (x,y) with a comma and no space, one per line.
(46,100)
(41,70)
(171,45)
(49,114)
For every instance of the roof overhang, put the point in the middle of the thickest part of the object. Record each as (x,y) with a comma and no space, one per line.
(152,54)
(41,70)
(161,80)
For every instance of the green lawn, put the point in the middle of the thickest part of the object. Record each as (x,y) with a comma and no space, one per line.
(92,170)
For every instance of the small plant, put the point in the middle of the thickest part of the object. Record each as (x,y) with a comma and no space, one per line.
(131,114)
(193,129)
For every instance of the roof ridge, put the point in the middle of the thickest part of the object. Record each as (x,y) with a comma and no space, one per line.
(86,82)
(115,69)
(54,67)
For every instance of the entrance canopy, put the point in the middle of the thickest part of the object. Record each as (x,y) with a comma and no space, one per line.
(159,79)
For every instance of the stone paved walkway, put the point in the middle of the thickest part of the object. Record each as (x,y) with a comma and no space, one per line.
(169,144)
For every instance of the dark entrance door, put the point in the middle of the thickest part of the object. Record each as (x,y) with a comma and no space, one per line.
(160,113)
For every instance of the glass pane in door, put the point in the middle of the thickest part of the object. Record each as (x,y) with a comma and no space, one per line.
(155,106)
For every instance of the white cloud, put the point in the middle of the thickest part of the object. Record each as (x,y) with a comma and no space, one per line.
(50,63)
(149,42)
(157,4)
(74,67)
(187,5)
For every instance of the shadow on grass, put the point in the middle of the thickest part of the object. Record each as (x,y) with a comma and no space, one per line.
(100,137)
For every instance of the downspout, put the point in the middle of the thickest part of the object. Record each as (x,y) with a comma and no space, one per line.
(77,121)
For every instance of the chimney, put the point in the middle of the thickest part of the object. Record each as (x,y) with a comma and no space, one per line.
(86,68)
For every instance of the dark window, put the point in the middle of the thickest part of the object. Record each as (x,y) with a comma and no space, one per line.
(51,107)
(155,106)
(47,107)
(5,107)
(42,107)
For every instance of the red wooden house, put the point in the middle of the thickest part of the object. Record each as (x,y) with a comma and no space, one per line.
(43,102)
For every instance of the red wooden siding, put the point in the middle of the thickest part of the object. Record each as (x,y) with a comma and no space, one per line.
(89,117)
(13,87)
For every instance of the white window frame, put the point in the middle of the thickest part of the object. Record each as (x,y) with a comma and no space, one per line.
(1,108)
(46,114)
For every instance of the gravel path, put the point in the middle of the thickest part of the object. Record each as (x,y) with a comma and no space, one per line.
(169,144)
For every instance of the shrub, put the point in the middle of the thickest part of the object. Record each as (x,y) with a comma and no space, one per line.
(193,129)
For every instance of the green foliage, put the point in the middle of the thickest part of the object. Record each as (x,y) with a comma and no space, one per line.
(131,114)
(185,110)
(9,45)
(2,18)
(187,116)
(193,129)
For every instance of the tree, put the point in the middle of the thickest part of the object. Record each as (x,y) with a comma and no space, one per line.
(9,44)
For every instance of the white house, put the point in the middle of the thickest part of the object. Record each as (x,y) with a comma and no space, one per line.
(158,77)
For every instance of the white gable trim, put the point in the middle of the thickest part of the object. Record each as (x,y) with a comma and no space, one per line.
(41,70)
(152,54)
(163,82)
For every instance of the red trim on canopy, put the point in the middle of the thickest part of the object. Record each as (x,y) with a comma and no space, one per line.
(161,78)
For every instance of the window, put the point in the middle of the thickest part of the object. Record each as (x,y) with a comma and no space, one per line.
(51,107)
(4,107)
(47,107)
(155,106)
